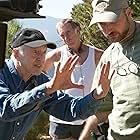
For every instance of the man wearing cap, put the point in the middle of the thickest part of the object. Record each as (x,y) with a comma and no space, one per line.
(114,19)
(89,56)
(25,91)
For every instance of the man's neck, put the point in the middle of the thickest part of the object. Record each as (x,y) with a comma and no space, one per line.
(77,49)
(131,31)
(82,52)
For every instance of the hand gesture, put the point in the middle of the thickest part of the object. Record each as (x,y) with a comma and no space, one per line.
(104,82)
(62,76)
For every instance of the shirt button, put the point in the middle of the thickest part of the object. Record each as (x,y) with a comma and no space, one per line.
(18,123)
(38,96)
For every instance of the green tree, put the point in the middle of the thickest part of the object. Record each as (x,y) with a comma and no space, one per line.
(13,27)
(82,13)
(135,4)
(39,131)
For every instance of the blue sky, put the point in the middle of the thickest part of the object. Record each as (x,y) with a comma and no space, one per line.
(57,8)
(51,8)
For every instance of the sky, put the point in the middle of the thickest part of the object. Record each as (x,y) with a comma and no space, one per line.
(57,8)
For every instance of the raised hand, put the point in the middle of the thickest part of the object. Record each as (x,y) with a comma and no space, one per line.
(62,76)
(104,82)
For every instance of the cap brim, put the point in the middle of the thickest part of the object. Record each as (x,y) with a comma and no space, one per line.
(106,16)
(38,43)
(51,45)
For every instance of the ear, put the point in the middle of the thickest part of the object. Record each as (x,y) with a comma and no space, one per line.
(15,53)
(129,12)
(78,29)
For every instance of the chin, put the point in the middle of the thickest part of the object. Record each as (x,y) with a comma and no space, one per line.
(114,39)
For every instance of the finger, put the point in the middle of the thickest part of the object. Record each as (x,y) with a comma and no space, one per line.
(79,86)
(107,69)
(112,75)
(58,68)
(74,62)
(102,70)
(66,64)
(70,63)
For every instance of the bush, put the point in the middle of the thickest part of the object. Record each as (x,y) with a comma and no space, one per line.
(39,131)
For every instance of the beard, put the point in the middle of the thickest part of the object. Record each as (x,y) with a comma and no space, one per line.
(119,37)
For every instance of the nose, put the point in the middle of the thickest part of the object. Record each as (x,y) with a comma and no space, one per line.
(106,28)
(66,38)
(39,56)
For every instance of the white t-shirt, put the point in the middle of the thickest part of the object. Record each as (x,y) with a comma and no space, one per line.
(81,74)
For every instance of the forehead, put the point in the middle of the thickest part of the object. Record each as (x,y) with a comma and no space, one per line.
(64,27)
(44,47)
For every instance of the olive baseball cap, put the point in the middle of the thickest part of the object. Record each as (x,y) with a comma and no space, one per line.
(107,10)
(31,38)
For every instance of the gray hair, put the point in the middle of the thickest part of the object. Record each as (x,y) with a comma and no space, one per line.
(73,23)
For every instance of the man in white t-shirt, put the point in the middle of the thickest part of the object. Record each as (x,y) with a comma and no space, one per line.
(83,73)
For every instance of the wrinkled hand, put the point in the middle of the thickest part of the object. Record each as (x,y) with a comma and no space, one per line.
(62,76)
(104,82)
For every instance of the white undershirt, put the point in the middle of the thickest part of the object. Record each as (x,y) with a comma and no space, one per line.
(82,74)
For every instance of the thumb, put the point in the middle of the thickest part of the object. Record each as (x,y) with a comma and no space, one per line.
(79,86)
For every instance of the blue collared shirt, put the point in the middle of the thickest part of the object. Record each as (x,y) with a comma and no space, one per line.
(21,103)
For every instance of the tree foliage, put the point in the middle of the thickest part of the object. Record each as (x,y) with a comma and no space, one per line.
(135,5)
(13,27)
(39,131)
(82,13)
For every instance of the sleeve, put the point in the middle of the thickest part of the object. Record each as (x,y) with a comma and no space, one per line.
(107,104)
(19,104)
(68,108)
